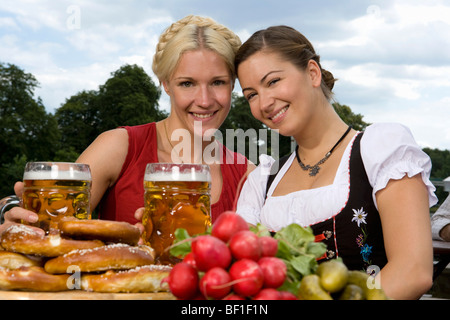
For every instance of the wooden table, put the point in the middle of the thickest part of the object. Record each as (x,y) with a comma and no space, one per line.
(441,252)
(82,295)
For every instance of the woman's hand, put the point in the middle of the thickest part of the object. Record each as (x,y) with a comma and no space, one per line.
(18,215)
(138,215)
(445,233)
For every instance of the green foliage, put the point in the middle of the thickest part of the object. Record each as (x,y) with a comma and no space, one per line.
(128,98)
(77,121)
(350,118)
(440,170)
(29,133)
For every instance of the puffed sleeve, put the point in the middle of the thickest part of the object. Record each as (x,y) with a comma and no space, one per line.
(253,193)
(389,151)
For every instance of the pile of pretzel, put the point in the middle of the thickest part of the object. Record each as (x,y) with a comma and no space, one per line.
(90,255)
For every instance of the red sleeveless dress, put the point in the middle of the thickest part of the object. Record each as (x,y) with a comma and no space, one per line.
(127,195)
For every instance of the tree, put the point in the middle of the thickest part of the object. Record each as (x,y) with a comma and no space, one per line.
(350,118)
(440,169)
(77,120)
(128,98)
(27,131)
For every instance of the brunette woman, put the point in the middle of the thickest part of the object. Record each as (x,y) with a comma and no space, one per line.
(365,194)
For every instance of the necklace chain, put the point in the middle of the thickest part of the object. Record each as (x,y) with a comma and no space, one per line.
(314,170)
(167,134)
(170,142)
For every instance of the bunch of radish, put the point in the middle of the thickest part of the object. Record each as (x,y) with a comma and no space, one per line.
(231,263)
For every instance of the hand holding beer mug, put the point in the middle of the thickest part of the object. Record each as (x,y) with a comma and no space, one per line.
(176,196)
(54,190)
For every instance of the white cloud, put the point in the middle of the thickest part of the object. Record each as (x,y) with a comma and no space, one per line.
(412,14)
(391,56)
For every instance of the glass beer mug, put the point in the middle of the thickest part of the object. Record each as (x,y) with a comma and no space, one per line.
(55,190)
(176,196)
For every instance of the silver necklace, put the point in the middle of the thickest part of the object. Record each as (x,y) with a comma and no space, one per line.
(314,170)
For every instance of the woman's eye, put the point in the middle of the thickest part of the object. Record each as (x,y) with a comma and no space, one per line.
(273,81)
(186,84)
(250,96)
(218,82)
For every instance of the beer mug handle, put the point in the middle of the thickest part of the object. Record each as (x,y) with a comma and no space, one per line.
(6,204)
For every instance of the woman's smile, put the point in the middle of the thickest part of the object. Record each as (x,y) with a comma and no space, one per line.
(280,115)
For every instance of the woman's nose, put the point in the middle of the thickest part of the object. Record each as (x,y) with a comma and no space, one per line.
(266,102)
(204,97)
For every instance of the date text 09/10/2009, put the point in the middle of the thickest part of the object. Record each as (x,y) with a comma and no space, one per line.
(230,309)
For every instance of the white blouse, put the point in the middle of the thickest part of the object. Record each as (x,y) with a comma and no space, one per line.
(388,151)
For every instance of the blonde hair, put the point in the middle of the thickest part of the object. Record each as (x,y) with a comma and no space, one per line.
(193,33)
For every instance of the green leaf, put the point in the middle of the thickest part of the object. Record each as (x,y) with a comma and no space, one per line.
(303,264)
(260,230)
(296,247)
(182,244)
(317,249)
(296,237)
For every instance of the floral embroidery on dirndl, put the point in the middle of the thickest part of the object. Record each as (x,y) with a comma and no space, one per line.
(359,216)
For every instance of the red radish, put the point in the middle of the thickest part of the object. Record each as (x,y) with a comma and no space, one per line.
(247,276)
(245,245)
(214,283)
(210,252)
(183,281)
(286,295)
(233,296)
(227,224)
(267,294)
(189,258)
(274,271)
(269,246)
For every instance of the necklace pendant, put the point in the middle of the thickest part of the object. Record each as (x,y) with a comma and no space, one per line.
(313,171)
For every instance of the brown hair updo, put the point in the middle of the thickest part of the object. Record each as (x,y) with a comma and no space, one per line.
(291,45)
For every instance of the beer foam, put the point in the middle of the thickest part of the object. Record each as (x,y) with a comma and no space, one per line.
(60,175)
(177,176)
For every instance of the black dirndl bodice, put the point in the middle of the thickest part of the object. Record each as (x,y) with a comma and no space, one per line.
(354,234)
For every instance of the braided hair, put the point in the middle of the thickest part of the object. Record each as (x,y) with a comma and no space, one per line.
(193,33)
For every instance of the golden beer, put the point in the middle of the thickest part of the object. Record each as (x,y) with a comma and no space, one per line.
(176,196)
(56,190)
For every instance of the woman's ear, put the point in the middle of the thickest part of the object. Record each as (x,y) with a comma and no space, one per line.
(166,87)
(315,73)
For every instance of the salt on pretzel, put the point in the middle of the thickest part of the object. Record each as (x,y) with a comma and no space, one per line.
(32,279)
(104,230)
(13,260)
(118,256)
(143,279)
(22,239)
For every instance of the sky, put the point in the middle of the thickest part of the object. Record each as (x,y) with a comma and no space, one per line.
(391,57)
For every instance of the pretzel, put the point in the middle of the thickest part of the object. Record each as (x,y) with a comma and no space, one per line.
(12,260)
(21,239)
(138,280)
(116,256)
(104,230)
(32,279)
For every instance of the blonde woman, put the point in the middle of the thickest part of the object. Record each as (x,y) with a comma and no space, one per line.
(194,62)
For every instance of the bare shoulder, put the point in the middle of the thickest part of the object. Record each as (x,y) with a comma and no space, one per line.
(119,135)
(106,154)
(250,167)
(115,140)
